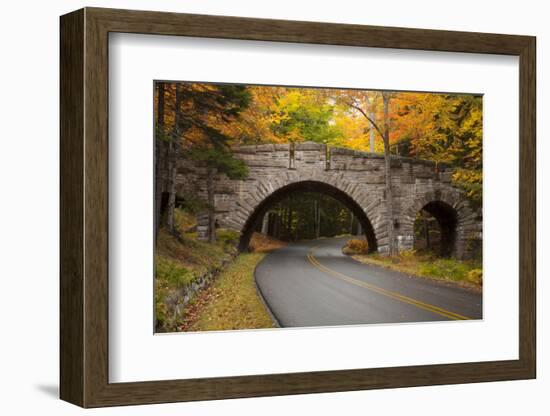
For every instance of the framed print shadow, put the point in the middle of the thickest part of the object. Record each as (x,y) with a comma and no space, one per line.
(234,185)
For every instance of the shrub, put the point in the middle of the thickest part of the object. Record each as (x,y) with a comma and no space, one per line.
(475,276)
(161,309)
(184,221)
(228,237)
(172,272)
(356,246)
(191,203)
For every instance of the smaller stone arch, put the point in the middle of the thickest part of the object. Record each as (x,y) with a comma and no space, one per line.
(454,215)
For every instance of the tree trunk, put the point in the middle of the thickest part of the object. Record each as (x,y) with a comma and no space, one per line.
(211,207)
(289,223)
(370,111)
(317,219)
(387,168)
(283,228)
(159,155)
(172,162)
(314,223)
(277,225)
(171,199)
(265,224)
(427,231)
(372,132)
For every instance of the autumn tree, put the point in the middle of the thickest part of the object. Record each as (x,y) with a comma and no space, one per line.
(159,150)
(195,124)
(256,120)
(304,115)
(445,128)
(363,102)
(204,120)
(172,151)
(216,158)
(209,110)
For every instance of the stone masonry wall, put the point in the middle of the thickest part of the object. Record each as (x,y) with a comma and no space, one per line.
(360,175)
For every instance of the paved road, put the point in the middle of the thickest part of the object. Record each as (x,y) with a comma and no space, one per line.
(313,284)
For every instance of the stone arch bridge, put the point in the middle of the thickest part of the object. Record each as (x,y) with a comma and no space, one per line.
(354,178)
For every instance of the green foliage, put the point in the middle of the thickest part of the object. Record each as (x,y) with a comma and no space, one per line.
(215,105)
(228,237)
(196,116)
(190,203)
(233,99)
(203,110)
(184,220)
(220,159)
(172,272)
(425,264)
(161,134)
(295,217)
(178,262)
(455,136)
(196,256)
(447,269)
(305,116)
(471,182)
(170,276)
(161,308)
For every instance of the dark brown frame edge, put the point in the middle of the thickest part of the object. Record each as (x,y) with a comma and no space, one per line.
(84,213)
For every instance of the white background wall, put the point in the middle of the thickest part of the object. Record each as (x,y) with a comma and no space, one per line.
(29,159)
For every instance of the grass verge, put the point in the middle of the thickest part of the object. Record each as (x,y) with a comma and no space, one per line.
(227,299)
(467,273)
(180,260)
(231,302)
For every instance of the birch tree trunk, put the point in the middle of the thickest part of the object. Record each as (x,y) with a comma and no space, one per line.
(370,111)
(372,133)
(387,168)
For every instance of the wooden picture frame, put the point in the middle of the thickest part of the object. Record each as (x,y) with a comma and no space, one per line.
(84,207)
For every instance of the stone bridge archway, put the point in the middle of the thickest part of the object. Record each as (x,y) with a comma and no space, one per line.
(355,178)
(460,225)
(261,207)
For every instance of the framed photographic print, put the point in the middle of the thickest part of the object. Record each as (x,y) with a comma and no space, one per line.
(255,207)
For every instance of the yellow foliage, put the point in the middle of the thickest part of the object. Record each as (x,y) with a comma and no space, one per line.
(356,246)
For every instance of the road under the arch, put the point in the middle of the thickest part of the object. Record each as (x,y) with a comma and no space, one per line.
(308,284)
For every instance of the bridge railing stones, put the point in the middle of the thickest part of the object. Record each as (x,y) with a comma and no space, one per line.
(360,175)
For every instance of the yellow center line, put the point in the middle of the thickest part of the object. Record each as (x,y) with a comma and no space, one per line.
(384,292)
